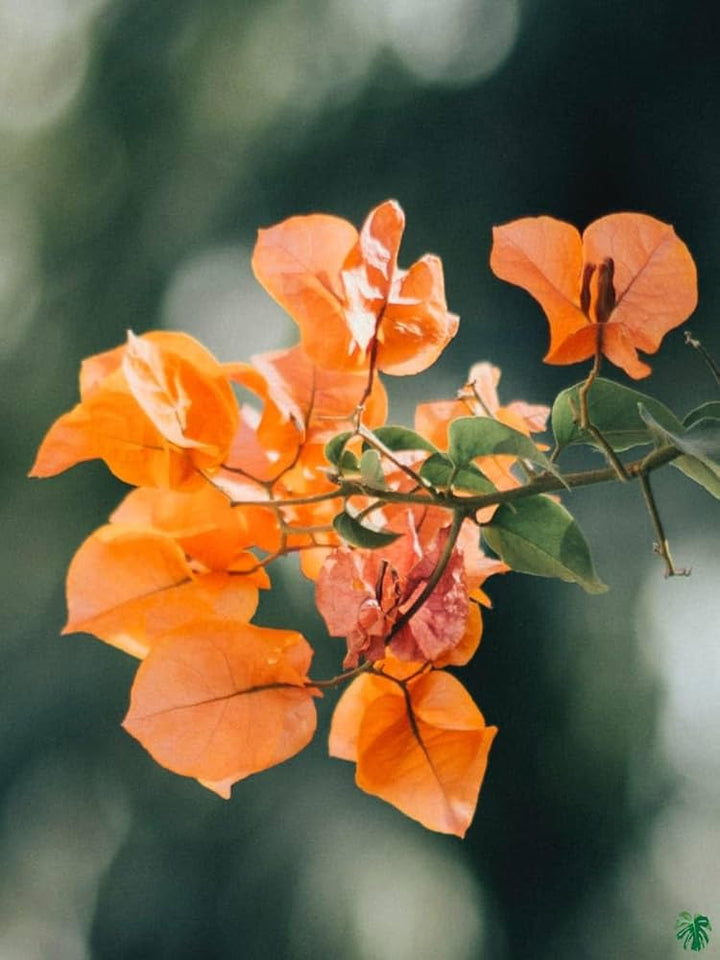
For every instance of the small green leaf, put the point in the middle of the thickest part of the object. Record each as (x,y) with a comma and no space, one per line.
(701,440)
(371,470)
(470,437)
(700,444)
(349,462)
(540,537)
(334,448)
(696,470)
(709,410)
(613,410)
(442,473)
(402,438)
(352,531)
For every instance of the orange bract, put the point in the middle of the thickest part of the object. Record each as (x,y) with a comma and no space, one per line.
(303,406)
(203,522)
(129,585)
(422,747)
(353,305)
(220,699)
(620,287)
(158,411)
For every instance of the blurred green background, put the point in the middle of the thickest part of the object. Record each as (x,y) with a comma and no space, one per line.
(142,144)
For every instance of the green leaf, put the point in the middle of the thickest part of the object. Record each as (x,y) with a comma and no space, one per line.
(349,462)
(709,410)
(402,438)
(470,437)
(442,473)
(696,470)
(352,531)
(701,440)
(371,470)
(335,447)
(540,537)
(700,444)
(613,410)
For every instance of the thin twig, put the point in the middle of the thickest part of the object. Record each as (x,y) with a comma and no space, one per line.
(341,677)
(291,501)
(610,454)
(709,360)
(661,545)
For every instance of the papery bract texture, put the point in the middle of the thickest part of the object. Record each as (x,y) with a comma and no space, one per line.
(159,411)
(130,585)
(354,306)
(422,746)
(619,288)
(204,523)
(363,595)
(219,700)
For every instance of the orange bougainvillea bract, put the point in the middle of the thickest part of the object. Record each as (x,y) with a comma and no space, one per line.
(158,411)
(347,294)
(221,699)
(619,288)
(423,746)
(236,465)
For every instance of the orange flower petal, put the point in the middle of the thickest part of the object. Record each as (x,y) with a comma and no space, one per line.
(348,297)
(180,386)
(655,279)
(416,325)
(630,274)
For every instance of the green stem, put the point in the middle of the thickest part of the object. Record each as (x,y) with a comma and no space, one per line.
(341,677)
(661,543)
(612,458)
(585,389)
(545,483)
(290,501)
(585,424)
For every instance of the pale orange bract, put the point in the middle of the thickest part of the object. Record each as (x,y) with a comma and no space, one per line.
(129,585)
(159,411)
(301,407)
(203,522)
(619,288)
(354,306)
(219,700)
(422,747)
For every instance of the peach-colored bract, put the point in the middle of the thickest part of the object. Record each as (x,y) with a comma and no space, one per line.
(219,699)
(159,411)
(355,307)
(422,747)
(619,288)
